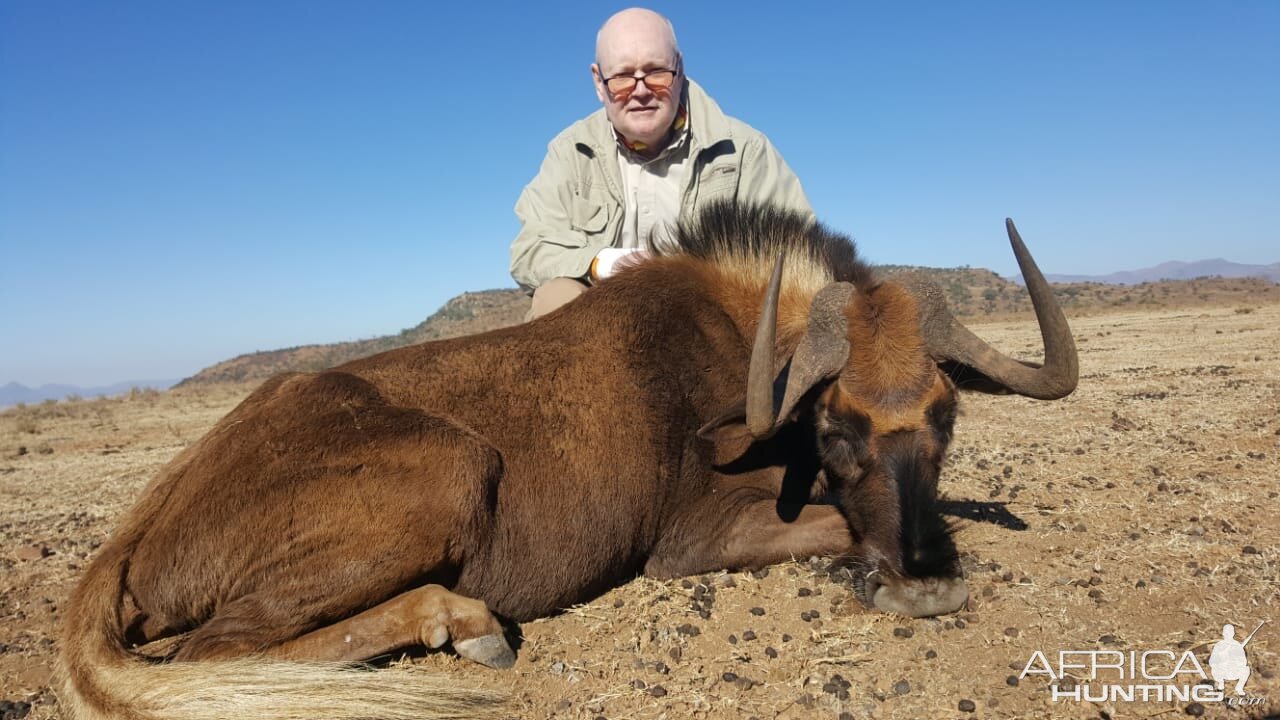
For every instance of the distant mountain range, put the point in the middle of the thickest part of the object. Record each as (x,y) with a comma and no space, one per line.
(1175,270)
(15,393)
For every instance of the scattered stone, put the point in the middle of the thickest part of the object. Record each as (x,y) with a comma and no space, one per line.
(760,574)
(1011,681)
(729,677)
(744,683)
(786,638)
(930,654)
(1012,632)
(966,706)
(1195,709)
(676,653)
(689,629)
(771,652)
(733,639)
(804,592)
(658,691)
(36,551)
(960,624)
(748,635)
(757,611)
(1246,550)
(903,632)
(902,687)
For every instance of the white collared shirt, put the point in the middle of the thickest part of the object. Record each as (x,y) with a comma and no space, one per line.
(651,191)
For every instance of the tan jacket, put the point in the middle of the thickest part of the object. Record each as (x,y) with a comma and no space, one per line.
(573,208)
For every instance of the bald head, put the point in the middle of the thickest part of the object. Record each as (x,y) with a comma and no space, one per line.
(635,32)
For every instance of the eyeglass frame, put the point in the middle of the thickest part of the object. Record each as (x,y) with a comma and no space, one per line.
(636,80)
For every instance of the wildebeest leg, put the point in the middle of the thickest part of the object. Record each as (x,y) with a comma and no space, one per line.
(430,615)
(728,531)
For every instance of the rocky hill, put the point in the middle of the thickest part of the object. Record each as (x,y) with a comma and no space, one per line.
(972,293)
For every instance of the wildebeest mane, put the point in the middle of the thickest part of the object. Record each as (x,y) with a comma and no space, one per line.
(728,233)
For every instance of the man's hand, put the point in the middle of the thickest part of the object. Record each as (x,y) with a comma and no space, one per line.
(611,260)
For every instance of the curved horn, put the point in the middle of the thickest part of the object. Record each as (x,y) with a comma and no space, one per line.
(947,339)
(821,354)
(760,409)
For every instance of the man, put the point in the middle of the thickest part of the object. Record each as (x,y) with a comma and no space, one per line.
(618,180)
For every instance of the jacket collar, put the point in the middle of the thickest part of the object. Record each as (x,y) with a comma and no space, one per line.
(707,127)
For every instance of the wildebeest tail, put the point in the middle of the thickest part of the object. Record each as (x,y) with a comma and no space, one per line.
(102,679)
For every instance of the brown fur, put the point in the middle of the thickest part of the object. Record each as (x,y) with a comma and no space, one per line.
(529,468)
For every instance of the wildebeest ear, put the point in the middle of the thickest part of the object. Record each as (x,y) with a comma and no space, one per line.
(730,426)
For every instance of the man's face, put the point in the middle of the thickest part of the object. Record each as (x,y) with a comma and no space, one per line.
(644,115)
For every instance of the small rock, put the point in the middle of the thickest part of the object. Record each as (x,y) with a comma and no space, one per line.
(902,687)
(960,624)
(1011,632)
(658,691)
(729,677)
(748,635)
(1195,709)
(903,632)
(804,592)
(688,629)
(733,639)
(744,683)
(1246,550)
(931,654)
(771,652)
(786,638)
(35,551)
(966,706)
(1011,681)
(757,611)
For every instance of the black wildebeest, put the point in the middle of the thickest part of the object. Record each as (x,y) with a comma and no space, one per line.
(676,419)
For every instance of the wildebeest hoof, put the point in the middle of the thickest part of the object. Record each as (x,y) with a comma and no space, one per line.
(921,598)
(489,650)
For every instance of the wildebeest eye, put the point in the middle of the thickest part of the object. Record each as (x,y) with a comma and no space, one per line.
(843,442)
(942,418)
(840,458)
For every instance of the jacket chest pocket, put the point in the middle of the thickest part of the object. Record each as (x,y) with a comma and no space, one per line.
(588,216)
(717,182)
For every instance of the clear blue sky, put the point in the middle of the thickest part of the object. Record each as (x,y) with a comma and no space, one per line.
(182,182)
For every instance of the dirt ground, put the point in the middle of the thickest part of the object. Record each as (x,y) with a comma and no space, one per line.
(1138,514)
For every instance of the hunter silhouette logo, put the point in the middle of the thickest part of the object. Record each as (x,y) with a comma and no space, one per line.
(1149,675)
(1228,661)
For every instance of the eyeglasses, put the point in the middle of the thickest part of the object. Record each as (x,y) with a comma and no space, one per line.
(622,86)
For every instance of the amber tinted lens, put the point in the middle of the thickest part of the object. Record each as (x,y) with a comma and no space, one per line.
(621,85)
(660,80)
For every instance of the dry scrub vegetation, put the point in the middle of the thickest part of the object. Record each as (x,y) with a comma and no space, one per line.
(1137,514)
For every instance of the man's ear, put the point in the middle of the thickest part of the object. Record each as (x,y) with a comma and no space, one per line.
(598,82)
